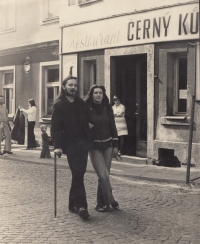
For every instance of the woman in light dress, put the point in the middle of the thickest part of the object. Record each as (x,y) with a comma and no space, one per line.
(31,112)
(120,121)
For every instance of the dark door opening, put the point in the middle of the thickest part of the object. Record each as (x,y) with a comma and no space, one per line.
(129,81)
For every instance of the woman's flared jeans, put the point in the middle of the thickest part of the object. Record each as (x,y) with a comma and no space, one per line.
(101,161)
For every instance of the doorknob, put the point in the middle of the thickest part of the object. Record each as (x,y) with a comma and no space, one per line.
(136,109)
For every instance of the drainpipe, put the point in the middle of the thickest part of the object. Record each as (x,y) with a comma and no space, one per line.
(197,92)
(190,140)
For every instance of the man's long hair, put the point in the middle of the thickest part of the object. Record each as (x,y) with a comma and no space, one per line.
(89,99)
(62,92)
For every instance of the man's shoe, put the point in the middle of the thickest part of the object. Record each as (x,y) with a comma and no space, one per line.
(1,153)
(100,208)
(73,210)
(8,152)
(115,204)
(83,213)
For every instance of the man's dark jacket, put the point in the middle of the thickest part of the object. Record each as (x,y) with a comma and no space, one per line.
(69,124)
(18,131)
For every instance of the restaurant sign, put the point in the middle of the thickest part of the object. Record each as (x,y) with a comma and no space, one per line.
(168,24)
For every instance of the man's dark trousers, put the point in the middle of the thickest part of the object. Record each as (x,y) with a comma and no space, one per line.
(77,159)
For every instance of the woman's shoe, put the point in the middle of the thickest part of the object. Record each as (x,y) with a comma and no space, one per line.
(115,204)
(100,208)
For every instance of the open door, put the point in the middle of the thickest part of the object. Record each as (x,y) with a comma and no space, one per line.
(130,83)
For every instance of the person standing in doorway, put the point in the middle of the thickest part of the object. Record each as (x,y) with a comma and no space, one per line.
(105,144)
(120,121)
(4,129)
(70,133)
(31,112)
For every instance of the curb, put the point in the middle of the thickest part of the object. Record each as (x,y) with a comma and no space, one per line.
(132,177)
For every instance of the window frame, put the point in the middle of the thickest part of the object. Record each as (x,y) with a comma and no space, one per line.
(44,15)
(11,17)
(4,70)
(71,4)
(176,85)
(44,67)
(89,73)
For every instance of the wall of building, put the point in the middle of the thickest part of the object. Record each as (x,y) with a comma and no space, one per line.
(174,133)
(29,28)
(27,84)
(106,8)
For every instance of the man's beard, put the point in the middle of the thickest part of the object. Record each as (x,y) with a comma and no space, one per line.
(70,94)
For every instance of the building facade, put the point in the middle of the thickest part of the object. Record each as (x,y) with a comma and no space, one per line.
(148,54)
(29,54)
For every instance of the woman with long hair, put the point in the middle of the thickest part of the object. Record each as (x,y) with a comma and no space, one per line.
(104,143)
(31,112)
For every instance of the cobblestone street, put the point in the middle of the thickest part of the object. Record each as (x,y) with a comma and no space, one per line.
(150,212)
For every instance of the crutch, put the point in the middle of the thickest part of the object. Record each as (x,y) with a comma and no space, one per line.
(55,185)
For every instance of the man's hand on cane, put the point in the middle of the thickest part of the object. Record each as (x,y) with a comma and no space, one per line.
(58,152)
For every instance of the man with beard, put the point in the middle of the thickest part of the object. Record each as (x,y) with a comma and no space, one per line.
(69,131)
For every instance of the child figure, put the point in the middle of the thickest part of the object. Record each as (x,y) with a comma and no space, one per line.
(45,143)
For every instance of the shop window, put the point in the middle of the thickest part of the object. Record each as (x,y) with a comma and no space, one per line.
(89,75)
(180,103)
(177,84)
(8,89)
(50,11)
(51,87)
(7,16)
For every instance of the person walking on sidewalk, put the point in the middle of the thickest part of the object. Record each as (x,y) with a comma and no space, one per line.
(45,153)
(4,129)
(31,112)
(69,132)
(105,144)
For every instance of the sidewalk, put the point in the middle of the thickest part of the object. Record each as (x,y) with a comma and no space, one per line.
(119,169)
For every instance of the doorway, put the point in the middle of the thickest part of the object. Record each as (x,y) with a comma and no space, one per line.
(129,82)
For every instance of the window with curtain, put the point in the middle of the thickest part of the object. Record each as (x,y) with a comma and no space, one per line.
(51,87)
(8,91)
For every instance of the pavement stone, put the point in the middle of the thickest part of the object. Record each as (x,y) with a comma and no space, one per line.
(150,212)
(153,208)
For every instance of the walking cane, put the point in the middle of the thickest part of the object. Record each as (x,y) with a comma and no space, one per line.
(55,186)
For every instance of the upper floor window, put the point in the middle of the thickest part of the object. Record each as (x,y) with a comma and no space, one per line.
(7,16)
(50,11)
(71,2)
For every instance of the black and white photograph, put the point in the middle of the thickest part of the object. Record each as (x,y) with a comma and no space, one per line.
(99,122)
